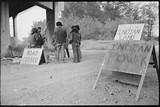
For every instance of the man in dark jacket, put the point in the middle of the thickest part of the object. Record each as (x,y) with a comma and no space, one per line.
(75,40)
(60,40)
(36,40)
(41,38)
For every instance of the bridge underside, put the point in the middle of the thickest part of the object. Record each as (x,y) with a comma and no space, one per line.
(11,9)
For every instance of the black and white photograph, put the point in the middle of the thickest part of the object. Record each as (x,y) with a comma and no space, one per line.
(79,52)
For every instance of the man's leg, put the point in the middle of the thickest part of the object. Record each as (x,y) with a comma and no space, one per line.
(62,52)
(74,52)
(58,53)
(79,54)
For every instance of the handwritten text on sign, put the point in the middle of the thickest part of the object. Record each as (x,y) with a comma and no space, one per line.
(31,56)
(129,56)
(129,32)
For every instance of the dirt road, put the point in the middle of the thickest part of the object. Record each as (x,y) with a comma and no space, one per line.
(71,83)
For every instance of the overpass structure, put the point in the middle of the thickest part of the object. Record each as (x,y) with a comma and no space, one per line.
(12,9)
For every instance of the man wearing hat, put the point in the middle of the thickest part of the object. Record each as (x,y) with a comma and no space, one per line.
(79,50)
(60,40)
(75,39)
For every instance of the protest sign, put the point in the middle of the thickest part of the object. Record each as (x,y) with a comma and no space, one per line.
(129,56)
(32,56)
(129,32)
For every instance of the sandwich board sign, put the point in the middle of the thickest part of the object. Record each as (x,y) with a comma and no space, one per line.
(32,56)
(129,32)
(130,57)
(128,54)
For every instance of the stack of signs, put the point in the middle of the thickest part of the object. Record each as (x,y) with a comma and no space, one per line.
(128,54)
(32,56)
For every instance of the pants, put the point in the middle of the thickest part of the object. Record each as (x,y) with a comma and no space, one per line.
(76,52)
(60,53)
(80,53)
(66,48)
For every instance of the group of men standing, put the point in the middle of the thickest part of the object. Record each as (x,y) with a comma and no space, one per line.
(61,41)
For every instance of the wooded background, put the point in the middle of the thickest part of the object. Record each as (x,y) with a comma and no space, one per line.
(100,20)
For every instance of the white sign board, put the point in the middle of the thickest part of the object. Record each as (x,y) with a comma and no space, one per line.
(31,56)
(129,32)
(129,56)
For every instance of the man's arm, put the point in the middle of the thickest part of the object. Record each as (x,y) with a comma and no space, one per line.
(65,34)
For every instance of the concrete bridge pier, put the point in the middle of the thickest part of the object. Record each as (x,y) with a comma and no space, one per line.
(5,31)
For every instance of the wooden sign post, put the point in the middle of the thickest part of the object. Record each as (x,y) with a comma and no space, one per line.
(32,56)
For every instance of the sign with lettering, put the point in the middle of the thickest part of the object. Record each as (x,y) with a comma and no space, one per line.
(129,56)
(129,32)
(31,56)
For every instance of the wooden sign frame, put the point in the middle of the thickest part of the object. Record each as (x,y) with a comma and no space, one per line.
(36,56)
(142,76)
(152,52)
(155,61)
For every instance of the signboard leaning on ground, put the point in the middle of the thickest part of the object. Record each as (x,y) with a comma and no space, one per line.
(128,53)
(129,56)
(31,56)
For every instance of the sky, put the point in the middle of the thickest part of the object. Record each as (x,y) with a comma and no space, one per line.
(25,20)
